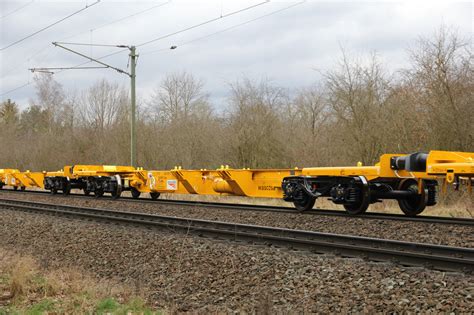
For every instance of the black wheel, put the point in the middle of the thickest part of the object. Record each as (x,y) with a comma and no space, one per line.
(22,188)
(306,204)
(116,193)
(86,192)
(154,195)
(363,201)
(135,193)
(357,208)
(1,186)
(417,203)
(118,187)
(15,187)
(54,191)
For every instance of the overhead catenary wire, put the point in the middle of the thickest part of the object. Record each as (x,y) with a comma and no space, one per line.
(65,68)
(17,9)
(155,39)
(203,23)
(15,89)
(89,44)
(49,26)
(226,29)
(93,29)
(118,20)
(174,33)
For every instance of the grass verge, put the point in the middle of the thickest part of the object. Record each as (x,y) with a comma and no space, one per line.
(25,288)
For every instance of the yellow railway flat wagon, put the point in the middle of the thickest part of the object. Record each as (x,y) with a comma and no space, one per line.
(96,179)
(410,179)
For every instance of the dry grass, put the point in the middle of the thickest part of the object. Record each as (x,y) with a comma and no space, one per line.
(25,288)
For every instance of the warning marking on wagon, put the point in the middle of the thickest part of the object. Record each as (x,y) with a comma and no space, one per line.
(171,184)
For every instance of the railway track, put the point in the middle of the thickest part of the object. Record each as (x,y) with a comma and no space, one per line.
(324,212)
(374,249)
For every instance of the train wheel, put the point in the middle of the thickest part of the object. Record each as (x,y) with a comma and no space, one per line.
(307,203)
(54,191)
(15,187)
(357,208)
(22,188)
(363,202)
(118,187)
(416,204)
(116,193)
(154,195)
(86,192)
(135,193)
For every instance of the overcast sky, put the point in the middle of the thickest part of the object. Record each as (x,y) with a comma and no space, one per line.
(286,47)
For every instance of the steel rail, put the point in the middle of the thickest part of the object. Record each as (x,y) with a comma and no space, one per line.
(405,253)
(247,207)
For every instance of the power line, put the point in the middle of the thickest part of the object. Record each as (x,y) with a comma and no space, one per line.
(226,29)
(174,33)
(203,23)
(94,29)
(177,32)
(87,44)
(153,40)
(171,34)
(49,26)
(15,89)
(119,20)
(17,9)
(64,68)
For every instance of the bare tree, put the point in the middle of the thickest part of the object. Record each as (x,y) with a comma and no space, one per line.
(50,97)
(357,95)
(184,129)
(179,96)
(306,120)
(103,105)
(443,76)
(102,124)
(254,123)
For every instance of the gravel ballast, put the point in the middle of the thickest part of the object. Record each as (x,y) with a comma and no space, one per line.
(443,234)
(185,273)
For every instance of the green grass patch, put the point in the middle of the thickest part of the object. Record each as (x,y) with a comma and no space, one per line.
(106,306)
(4,310)
(135,306)
(41,307)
